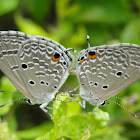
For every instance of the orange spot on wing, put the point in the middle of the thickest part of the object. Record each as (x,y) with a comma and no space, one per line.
(92,56)
(54,58)
(82,60)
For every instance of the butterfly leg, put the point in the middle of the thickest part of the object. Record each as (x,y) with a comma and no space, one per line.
(82,103)
(54,99)
(45,108)
(96,109)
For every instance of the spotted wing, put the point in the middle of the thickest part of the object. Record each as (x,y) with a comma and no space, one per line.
(112,69)
(40,68)
(10,42)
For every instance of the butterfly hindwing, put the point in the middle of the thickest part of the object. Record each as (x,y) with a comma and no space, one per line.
(133,71)
(45,66)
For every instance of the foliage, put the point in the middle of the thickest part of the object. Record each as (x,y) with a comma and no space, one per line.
(69,22)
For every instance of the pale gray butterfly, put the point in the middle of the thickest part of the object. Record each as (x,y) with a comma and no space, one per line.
(104,71)
(36,65)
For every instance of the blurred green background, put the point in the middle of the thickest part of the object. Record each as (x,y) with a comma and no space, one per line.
(68,22)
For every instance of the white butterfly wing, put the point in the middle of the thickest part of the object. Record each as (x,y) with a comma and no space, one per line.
(38,68)
(104,71)
(10,42)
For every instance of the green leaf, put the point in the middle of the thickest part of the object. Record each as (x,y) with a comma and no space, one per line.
(100,11)
(8,6)
(28,26)
(131,31)
(74,126)
(35,132)
(5,134)
(38,9)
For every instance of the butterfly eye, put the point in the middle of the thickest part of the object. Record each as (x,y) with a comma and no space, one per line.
(92,55)
(56,56)
(82,59)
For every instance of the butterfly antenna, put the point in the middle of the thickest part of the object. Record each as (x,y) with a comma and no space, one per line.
(21,98)
(96,109)
(10,92)
(122,98)
(76,100)
(123,107)
(88,41)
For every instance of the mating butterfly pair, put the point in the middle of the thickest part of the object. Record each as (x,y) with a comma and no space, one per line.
(38,67)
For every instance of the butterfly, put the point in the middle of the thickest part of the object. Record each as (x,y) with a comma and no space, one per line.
(104,71)
(37,66)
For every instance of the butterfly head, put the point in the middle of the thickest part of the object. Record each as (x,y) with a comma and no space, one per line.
(86,55)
